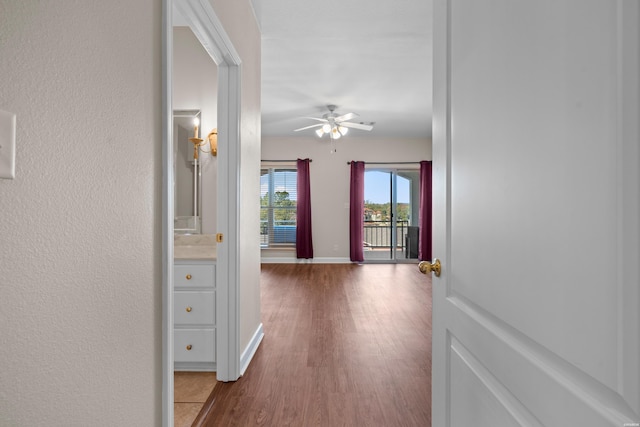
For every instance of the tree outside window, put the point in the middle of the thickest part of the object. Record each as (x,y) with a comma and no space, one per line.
(278,203)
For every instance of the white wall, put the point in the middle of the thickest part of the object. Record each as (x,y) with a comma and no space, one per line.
(240,24)
(195,87)
(329,175)
(80,229)
(80,238)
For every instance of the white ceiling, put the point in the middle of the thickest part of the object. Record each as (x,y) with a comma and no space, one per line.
(371,58)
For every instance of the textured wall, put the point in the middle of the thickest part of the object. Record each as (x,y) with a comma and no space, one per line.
(80,276)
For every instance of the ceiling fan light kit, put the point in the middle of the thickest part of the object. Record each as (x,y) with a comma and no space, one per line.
(334,125)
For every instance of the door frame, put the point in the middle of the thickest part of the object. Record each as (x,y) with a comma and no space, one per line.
(209,30)
(394,170)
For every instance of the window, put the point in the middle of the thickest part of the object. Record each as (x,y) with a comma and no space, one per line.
(278,201)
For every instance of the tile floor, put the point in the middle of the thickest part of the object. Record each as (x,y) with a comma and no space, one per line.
(190,390)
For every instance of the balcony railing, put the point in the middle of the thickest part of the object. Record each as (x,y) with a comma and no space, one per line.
(377,236)
(281,233)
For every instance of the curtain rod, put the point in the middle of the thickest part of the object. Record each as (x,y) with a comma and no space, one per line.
(388,163)
(263,160)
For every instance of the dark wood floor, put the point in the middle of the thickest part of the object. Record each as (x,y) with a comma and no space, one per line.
(344,345)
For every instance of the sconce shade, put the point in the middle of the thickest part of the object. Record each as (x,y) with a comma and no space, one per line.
(213,141)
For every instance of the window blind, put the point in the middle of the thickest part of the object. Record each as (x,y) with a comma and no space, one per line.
(278,202)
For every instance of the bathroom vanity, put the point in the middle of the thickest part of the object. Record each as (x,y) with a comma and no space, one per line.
(194,306)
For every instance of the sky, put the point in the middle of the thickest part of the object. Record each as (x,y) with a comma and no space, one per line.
(282,181)
(376,187)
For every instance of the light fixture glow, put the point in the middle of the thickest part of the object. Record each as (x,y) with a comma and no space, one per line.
(319,132)
(335,134)
(343,130)
(326,128)
(196,123)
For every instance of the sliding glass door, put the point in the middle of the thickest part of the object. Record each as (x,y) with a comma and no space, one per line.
(391,215)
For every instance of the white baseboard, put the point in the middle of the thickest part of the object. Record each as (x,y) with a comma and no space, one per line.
(294,260)
(194,367)
(251,349)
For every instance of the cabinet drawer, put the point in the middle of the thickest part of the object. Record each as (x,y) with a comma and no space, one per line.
(194,345)
(194,275)
(194,308)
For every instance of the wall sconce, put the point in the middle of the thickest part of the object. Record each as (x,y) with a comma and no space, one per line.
(213,142)
(198,143)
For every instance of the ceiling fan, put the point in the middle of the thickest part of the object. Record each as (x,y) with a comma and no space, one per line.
(334,125)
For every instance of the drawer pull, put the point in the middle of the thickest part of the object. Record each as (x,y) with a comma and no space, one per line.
(189,347)
(188,277)
(188,309)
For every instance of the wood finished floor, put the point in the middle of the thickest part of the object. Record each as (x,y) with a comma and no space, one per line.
(344,345)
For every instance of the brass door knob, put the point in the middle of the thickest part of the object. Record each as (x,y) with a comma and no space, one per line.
(188,277)
(189,347)
(188,309)
(427,267)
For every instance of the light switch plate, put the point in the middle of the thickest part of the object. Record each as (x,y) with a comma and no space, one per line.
(7,145)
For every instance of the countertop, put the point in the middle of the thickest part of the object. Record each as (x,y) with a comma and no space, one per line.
(195,247)
(195,252)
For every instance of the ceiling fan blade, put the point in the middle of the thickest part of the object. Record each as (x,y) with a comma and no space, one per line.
(346,117)
(317,118)
(356,126)
(308,127)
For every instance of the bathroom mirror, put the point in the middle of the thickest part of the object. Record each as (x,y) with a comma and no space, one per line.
(187,173)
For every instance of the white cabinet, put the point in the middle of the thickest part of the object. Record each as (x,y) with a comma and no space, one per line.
(194,315)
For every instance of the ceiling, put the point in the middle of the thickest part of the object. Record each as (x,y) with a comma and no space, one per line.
(371,58)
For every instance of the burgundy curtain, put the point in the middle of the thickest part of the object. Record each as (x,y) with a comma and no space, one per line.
(424,238)
(356,212)
(304,242)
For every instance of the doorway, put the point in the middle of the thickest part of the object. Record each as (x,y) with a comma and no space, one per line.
(391,215)
(207,28)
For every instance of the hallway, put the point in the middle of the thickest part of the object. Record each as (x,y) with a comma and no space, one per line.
(344,345)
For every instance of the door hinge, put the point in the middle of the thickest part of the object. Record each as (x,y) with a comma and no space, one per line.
(219,237)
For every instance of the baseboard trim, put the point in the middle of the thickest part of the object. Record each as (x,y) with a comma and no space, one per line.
(194,367)
(251,349)
(294,260)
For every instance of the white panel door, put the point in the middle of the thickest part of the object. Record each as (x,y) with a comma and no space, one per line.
(536,190)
